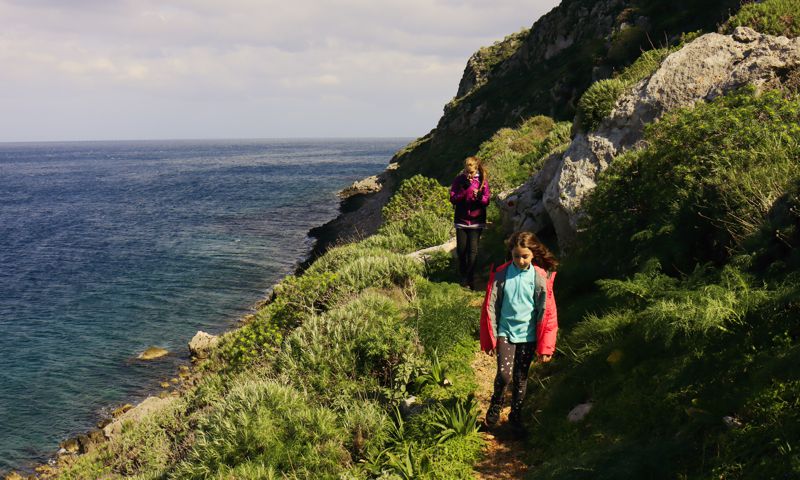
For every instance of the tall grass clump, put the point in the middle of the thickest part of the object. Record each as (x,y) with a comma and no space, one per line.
(264,426)
(599,99)
(364,345)
(773,17)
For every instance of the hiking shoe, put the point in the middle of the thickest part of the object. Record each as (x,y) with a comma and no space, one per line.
(493,414)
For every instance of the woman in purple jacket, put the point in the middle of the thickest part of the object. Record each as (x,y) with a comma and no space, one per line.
(470,196)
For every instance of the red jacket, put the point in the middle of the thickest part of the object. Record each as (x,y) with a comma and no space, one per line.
(545,314)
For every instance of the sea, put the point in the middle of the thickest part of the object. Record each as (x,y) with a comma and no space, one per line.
(108,248)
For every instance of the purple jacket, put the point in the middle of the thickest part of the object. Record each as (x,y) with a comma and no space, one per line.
(469,210)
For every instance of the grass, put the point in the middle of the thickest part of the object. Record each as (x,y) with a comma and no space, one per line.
(772,17)
(683,323)
(512,155)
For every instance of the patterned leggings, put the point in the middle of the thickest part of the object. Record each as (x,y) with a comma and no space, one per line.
(513,362)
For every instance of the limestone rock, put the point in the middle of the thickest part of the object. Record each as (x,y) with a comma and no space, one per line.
(152,353)
(732,423)
(135,414)
(121,410)
(578,413)
(364,186)
(424,254)
(202,343)
(710,66)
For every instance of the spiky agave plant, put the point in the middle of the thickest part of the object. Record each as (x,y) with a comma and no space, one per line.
(458,420)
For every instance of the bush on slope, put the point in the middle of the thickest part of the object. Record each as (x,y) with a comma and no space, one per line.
(686,352)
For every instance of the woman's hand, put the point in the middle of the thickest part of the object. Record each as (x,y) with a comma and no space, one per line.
(544,358)
(491,352)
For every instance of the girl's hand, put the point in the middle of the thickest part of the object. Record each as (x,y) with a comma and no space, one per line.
(544,358)
(491,352)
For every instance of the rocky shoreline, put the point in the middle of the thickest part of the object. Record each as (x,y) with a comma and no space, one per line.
(359,213)
(359,216)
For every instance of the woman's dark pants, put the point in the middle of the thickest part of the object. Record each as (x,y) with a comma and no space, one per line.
(467,249)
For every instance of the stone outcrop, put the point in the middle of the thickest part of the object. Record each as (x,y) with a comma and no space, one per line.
(135,414)
(543,71)
(424,254)
(710,66)
(153,353)
(202,343)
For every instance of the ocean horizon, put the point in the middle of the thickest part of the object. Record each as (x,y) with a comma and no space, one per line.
(109,247)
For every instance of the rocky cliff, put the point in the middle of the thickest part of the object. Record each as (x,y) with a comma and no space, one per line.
(710,66)
(545,70)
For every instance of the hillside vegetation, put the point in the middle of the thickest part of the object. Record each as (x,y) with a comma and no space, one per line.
(678,307)
(547,70)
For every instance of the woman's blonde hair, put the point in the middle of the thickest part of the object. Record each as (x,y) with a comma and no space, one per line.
(476,162)
(542,256)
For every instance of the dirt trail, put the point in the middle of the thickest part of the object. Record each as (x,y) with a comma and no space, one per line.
(502,452)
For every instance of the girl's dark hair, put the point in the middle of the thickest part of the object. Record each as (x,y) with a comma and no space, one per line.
(484,176)
(542,256)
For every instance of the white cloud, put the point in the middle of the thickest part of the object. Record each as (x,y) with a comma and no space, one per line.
(278,68)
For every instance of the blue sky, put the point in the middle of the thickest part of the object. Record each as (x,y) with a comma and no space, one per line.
(147,69)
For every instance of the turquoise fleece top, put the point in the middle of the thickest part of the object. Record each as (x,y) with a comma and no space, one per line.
(516,314)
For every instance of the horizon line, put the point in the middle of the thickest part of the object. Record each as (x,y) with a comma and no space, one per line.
(218,139)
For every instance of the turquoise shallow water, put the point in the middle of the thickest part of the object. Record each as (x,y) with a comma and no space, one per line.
(109,247)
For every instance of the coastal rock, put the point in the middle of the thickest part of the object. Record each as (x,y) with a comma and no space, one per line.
(148,406)
(121,410)
(71,446)
(91,440)
(367,185)
(202,343)
(14,476)
(153,353)
(710,66)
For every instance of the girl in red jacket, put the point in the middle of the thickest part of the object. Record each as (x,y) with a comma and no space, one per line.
(519,320)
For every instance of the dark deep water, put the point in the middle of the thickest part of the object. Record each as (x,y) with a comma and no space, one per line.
(107,248)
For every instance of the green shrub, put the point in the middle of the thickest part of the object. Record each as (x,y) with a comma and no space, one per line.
(295,299)
(428,230)
(415,195)
(143,449)
(377,271)
(441,266)
(444,316)
(365,340)
(394,241)
(598,101)
(706,182)
(262,426)
(512,155)
(773,17)
(337,257)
